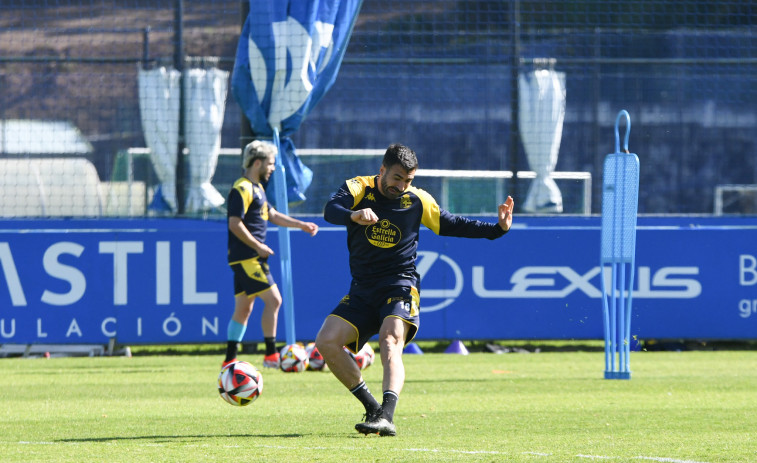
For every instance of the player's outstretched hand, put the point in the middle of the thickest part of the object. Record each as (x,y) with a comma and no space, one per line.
(364,216)
(506,213)
(309,228)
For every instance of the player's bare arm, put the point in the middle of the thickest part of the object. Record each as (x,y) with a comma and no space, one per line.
(364,216)
(283,220)
(506,213)
(236,226)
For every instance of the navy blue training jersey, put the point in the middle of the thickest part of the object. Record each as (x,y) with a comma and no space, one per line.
(248,201)
(388,247)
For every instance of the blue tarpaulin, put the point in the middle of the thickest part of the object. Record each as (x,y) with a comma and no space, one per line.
(288,57)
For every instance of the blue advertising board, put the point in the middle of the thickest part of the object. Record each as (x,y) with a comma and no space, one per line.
(157,281)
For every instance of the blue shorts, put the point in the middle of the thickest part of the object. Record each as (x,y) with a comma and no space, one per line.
(251,277)
(367,305)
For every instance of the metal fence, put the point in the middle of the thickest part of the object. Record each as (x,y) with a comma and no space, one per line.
(439,76)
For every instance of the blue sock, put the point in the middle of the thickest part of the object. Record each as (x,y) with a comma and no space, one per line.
(235,331)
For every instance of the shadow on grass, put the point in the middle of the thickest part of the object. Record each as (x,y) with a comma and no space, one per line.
(494,379)
(177,437)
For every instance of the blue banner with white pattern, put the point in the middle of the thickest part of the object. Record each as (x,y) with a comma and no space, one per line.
(287,58)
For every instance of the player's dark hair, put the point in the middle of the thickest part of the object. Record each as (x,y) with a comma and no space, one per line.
(402,155)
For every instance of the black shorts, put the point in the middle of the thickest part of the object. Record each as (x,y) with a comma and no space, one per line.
(366,307)
(251,277)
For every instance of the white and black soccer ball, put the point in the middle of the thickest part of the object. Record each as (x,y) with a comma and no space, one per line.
(316,361)
(294,358)
(240,383)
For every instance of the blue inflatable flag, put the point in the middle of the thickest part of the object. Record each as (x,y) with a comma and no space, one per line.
(288,57)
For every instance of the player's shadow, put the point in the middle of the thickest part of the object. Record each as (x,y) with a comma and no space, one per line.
(457,380)
(177,437)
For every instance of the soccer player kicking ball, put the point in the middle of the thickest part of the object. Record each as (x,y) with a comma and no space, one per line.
(248,215)
(383,215)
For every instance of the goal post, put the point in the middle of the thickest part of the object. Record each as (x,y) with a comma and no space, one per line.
(466,192)
(496,183)
(735,199)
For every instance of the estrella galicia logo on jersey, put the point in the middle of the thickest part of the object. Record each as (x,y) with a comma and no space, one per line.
(383,234)
(405,202)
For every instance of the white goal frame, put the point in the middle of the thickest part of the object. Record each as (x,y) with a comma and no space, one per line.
(445,174)
(721,189)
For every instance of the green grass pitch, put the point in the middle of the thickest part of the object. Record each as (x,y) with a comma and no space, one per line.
(694,406)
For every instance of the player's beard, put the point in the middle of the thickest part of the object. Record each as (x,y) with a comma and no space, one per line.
(265,175)
(389,192)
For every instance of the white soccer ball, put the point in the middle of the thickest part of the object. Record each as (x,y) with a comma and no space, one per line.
(240,383)
(316,361)
(294,358)
(365,357)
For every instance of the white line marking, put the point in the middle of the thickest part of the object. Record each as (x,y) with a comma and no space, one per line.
(467,452)
(667,460)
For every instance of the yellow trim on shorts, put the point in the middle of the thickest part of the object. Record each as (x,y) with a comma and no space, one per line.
(253,268)
(250,296)
(244,260)
(357,331)
(407,341)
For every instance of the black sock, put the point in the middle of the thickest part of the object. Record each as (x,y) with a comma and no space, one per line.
(270,345)
(390,402)
(365,397)
(231,350)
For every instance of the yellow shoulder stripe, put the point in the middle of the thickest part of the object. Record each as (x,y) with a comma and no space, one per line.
(245,189)
(431,212)
(357,186)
